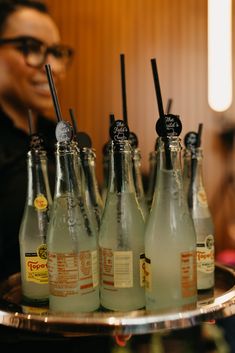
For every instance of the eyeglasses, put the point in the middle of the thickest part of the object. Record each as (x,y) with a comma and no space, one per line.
(35,51)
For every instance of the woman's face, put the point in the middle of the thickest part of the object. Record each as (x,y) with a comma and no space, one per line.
(20,84)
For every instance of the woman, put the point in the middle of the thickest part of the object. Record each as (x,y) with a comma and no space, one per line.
(29,38)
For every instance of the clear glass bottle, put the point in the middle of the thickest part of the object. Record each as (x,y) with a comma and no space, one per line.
(121,236)
(170,239)
(138,181)
(203,223)
(71,242)
(33,229)
(92,193)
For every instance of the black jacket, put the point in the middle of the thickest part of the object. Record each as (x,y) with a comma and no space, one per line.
(14,145)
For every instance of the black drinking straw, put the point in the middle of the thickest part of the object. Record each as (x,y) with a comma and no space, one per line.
(53,92)
(169,104)
(124,104)
(161,111)
(74,123)
(30,120)
(199,134)
(111,119)
(194,165)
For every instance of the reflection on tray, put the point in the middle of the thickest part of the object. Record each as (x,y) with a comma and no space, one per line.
(210,306)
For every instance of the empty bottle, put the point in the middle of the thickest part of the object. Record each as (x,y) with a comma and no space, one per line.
(203,223)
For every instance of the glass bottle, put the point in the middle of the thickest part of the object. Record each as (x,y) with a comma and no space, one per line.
(121,236)
(92,193)
(138,182)
(34,224)
(72,242)
(203,224)
(170,239)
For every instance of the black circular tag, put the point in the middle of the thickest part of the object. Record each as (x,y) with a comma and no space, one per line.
(169,125)
(119,131)
(190,139)
(84,140)
(133,140)
(36,141)
(63,131)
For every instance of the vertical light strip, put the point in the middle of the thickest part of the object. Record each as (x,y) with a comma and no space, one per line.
(219,54)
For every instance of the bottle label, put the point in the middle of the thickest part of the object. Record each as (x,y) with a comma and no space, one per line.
(148,275)
(36,265)
(73,272)
(206,255)
(40,203)
(188,274)
(117,268)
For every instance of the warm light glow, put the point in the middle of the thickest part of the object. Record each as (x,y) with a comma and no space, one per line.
(220,54)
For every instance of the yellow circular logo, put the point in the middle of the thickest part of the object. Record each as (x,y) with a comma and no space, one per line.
(42,251)
(40,202)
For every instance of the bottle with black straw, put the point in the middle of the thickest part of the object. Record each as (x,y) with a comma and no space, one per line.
(121,236)
(34,224)
(202,219)
(170,239)
(88,162)
(71,239)
(154,164)
(136,159)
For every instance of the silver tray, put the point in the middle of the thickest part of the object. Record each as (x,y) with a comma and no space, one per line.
(209,307)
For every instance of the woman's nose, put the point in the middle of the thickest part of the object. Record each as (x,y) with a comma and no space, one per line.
(57,66)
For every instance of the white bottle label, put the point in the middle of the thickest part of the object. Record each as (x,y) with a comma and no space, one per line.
(205,255)
(36,265)
(123,269)
(117,268)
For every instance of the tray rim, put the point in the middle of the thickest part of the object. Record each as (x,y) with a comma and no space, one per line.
(121,323)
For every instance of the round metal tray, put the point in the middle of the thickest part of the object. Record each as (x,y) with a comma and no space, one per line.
(209,307)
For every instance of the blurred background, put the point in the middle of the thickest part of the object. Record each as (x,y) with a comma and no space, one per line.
(175,33)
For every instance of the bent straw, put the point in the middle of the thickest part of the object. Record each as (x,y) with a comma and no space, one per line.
(161,111)
(53,92)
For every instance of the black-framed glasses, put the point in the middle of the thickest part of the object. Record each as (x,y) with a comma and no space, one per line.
(35,51)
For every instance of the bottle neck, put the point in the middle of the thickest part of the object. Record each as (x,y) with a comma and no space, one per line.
(170,153)
(196,168)
(121,174)
(88,162)
(38,183)
(137,173)
(66,178)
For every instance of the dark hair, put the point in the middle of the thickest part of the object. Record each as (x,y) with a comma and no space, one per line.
(8,7)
